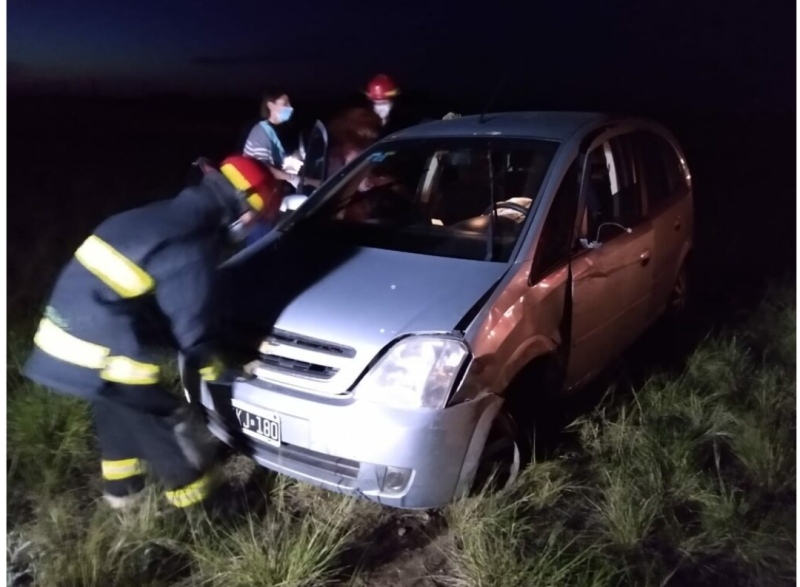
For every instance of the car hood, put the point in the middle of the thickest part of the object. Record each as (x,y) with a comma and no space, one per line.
(355,299)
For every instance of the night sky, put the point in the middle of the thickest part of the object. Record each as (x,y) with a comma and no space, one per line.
(702,54)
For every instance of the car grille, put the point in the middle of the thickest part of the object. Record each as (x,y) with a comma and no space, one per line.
(289,339)
(296,367)
(319,461)
(285,354)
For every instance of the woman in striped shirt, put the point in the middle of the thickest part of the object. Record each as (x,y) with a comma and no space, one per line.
(263,143)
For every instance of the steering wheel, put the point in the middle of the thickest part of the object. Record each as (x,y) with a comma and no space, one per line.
(510,205)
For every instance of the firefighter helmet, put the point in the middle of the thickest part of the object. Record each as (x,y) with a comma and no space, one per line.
(382,87)
(257,185)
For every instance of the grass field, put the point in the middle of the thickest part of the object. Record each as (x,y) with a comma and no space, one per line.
(686,479)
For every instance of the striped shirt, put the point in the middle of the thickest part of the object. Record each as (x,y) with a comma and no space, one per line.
(264,146)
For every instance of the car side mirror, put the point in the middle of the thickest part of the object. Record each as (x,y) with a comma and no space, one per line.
(589,245)
(596,244)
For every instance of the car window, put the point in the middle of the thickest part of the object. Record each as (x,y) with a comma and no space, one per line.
(660,166)
(555,242)
(675,172)
(434,196)
(613,192)
(316,146)
(629,198)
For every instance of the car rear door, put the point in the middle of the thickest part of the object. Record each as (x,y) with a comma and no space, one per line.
(612,275)
(667,190)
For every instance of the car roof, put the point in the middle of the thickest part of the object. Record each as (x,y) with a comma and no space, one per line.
(557,126)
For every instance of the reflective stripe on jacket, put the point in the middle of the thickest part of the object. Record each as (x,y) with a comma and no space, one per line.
(143,274)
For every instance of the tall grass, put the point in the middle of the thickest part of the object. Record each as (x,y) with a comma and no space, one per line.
(50,441)
(283,548)
(687,480)
(70,540)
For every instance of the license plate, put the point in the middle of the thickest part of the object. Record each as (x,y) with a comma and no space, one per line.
(264,426)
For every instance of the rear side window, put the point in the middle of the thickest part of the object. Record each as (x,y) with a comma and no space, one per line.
(675,174)
(660,167)
(613,191)
(628,198)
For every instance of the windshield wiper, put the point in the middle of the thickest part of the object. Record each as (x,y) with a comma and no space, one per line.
(493,218)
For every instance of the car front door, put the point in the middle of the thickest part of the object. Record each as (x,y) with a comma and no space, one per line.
(315,165)
(612,275)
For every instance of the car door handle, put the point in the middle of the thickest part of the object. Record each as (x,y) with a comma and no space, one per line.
(644,257)
(678,223)
(588,271)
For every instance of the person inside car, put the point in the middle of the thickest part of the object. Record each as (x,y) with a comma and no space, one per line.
(383,197)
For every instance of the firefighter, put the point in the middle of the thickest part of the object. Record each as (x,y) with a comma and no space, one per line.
(94,341)
(382,91)
(354,129)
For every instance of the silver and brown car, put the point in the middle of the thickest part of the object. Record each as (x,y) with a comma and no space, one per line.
(404,312)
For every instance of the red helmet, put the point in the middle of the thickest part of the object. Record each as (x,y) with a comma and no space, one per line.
(252,177)
(382,87)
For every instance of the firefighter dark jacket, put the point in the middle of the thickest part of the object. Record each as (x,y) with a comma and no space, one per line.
(153,264)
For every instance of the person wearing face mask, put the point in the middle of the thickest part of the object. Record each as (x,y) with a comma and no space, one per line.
(395,113)
(143,278)
(263,142)
(264,145)
(382,91)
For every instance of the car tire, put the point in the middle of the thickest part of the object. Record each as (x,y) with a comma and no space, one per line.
(676,318)
(502,456)
(678,301)
(534,403)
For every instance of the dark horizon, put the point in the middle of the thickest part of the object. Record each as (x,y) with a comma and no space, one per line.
(504,100)
(668,56)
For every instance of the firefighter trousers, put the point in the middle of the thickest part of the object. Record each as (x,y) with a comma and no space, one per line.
(139,429)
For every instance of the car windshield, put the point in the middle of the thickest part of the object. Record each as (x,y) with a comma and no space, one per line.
(434,197)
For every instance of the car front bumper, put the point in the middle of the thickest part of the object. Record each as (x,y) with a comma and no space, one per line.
(407,458)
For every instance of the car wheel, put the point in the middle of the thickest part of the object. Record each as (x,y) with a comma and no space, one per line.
(677,325)
(501,459)
(679,296)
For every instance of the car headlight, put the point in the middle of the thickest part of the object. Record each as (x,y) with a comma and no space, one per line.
(417,372)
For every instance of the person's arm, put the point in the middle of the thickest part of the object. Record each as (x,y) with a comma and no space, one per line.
(292,178)
(185,298)
(259,146)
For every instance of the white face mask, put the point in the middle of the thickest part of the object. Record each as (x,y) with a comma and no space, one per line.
(382,109)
